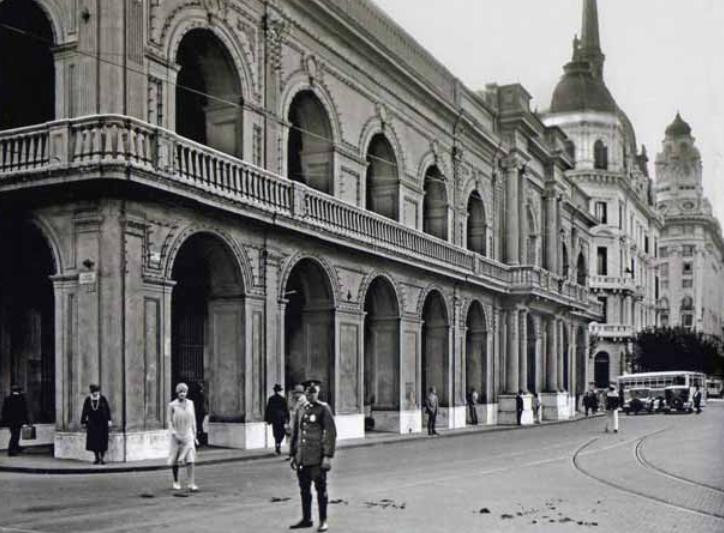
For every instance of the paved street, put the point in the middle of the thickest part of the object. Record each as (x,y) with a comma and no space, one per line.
(660,473)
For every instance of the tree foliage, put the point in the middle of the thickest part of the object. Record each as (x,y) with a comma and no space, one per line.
(661,349)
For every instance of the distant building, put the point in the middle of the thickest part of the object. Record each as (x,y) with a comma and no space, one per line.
(610,169)
(691,249)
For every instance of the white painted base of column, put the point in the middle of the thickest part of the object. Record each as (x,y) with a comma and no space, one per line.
(44,435)
(457,417)
(249,436)
(350,426)
(133,446)
(555,405)
(489,414)
(402,422)
(411,421)
(507,412)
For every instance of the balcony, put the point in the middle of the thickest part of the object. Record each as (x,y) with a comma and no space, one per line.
(613,331)
(613,283)
(123,148)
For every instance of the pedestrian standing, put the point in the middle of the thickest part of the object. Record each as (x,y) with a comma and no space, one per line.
(277,415)
(612,405)
(96,418)
(432,406)
(697,399)
(312,446)
(472,402)
(536,408)
(182,428)
(15,415)
(519,407)
(196,395)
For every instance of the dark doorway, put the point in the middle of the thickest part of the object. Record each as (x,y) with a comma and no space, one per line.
(435,350)
(601,370)
(383,181)
(476,343)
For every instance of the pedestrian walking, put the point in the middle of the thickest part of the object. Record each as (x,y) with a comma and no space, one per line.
(96,418)
(197,396)
(432,406)
(277,415)
(536,408)
(589,402)
(697,399)
(314,437)
(182,428)
(519,407)
(15,415)
(612,405)
(472,402)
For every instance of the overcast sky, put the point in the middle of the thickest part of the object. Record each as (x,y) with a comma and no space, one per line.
(661,56)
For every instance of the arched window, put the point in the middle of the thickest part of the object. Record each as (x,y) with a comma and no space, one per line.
(435,205)
(581,270)
(383,183)
(600,155)
(27,69)
(565,266)
(476,224)
(208,93)
(687,302)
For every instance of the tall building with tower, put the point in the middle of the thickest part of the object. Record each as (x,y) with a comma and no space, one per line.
(691,250)
(612,171)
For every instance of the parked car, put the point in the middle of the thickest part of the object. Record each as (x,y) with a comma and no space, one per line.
(637,400)
(678,399)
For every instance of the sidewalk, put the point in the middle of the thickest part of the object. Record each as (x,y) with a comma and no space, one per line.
(39,460)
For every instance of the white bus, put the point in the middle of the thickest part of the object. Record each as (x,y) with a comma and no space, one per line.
(651,386)
(714,387)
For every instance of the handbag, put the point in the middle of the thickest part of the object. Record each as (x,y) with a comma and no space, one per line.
(28,433)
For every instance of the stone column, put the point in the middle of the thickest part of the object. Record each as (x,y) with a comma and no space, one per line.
(551,231)
(512,219)
(551,357)
(561,352)
(512,357)
(410,374)
(348,371)
(495,358)
(523,352)
(539,343)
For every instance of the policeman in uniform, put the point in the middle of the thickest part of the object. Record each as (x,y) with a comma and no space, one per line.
(312,448)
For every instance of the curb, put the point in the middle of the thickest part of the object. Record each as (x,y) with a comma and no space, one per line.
(482,430)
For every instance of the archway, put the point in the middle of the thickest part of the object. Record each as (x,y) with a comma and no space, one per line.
(476,342)
(581,352)
(435,204)
(435,349)
(601,370)
(27,318)
(531,355)
(208,93)
(532,242)
(309,328)
(207,325)
(382,347)
(581,270)
(27,69)
(476,224)
(383,182)
(310,147)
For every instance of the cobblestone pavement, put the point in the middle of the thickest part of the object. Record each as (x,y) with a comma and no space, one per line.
(571,477)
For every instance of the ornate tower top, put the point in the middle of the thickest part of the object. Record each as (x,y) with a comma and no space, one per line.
(678,166)
(589,48)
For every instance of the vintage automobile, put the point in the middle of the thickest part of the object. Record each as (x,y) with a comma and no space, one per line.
(637,400)
(678,399)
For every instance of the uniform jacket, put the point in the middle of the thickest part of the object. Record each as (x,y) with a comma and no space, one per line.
(314,434)
(432,403)
(15,410)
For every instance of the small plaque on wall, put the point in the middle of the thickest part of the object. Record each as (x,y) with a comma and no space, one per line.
(87,278)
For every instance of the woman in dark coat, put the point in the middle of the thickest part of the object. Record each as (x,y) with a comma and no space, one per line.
(96,418)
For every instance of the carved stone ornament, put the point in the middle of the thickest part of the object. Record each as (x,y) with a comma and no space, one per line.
(312,68)
(216,8)
(435,148)
(276,32)
(382,113)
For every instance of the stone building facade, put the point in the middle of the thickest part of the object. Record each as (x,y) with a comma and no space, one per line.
(610,169)
(691,250)
(239,193)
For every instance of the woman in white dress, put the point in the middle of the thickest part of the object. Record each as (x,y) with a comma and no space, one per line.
(182,429)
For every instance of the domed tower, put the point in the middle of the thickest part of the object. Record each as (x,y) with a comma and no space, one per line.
(678,169)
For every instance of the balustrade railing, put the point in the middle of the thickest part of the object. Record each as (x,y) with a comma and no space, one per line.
(119,140)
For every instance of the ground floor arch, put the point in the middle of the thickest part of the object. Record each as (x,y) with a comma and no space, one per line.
(27,318)
(309,329)
(207,325)
(601,369)
(435,348)
(476,345)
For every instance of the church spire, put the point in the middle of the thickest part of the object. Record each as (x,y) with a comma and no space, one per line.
(589,48)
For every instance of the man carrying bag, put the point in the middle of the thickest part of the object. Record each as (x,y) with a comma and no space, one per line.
(15,415)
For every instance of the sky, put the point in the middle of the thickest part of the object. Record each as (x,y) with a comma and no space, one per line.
(662,56)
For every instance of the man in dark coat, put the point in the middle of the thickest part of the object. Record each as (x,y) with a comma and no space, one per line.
(196,395)
(519,406)
(277,414)
(14,415)
(96,417)
(314,437)
(432,406)
(697,399)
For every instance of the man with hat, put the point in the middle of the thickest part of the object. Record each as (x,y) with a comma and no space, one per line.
(277,414)
(612,405)
(14,415)
(314,435)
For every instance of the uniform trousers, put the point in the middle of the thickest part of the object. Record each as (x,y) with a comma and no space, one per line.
(306,475)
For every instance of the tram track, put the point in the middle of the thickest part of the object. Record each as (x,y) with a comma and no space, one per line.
(641,458)
(576,463)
